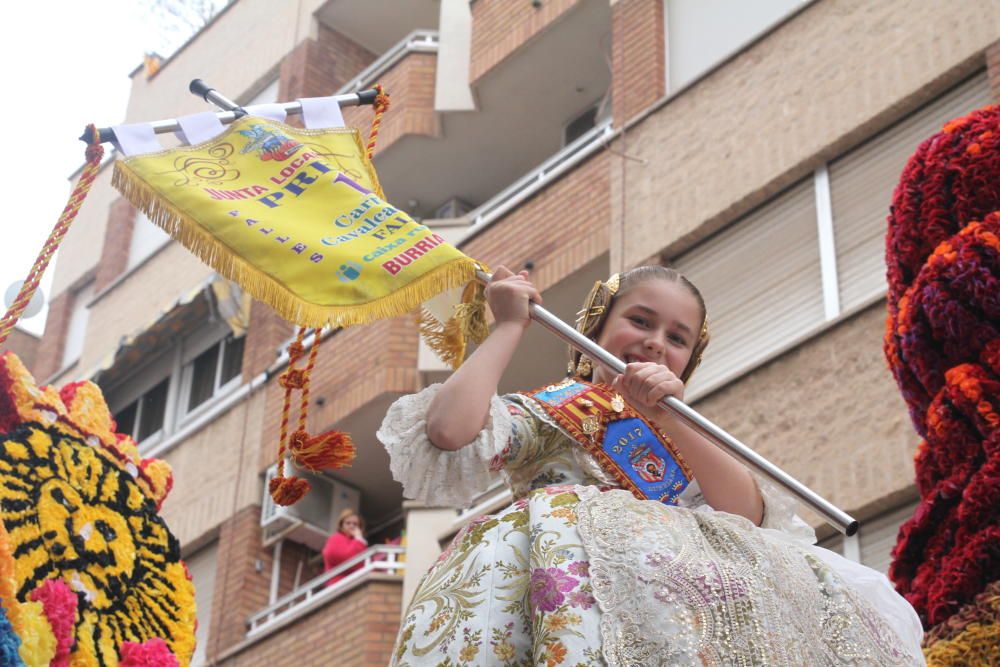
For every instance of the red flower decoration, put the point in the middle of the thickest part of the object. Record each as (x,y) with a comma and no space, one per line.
(942,344)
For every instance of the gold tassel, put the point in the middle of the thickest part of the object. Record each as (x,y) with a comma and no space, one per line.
(445,338)
(450,339)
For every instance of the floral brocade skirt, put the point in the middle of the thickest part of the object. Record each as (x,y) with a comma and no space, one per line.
(575,576)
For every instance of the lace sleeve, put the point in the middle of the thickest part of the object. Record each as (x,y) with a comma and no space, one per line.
(779,511)
(435,476)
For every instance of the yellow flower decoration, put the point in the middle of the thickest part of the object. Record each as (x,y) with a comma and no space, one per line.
(79,505)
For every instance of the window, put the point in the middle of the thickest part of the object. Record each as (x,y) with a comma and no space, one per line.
(147,238)
(757,307)
(213,370)
(158,398)
(76,328)
(830,229)
(861,185)
(702,33)
(144,416)
(202,566)
(872,545)
(580,125)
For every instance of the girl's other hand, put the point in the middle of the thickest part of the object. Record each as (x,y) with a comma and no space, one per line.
(508,295)
(643,384)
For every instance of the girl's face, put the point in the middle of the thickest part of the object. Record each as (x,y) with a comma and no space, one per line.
(350,524)
(656,320)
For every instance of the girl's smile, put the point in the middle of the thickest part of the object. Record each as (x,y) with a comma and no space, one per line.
(655,321)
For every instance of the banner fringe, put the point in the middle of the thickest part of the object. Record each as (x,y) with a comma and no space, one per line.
(266,289)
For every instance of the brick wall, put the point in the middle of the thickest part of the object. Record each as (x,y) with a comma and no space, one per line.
(318,67)
(560,229)
(798,96)
(24,345)
(353,367)
(356,630)
(637,56)
(829,414)
(410,84)
(117,240)
(240,589)
(48,358)
(296,567)
(266,332)
(500,27)
(993,70)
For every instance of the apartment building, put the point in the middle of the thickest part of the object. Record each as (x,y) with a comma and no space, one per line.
(752,145)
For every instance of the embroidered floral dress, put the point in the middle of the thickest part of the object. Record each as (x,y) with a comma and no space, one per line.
(579,572)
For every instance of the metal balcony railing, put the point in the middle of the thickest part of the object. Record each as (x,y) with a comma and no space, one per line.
(418,41)
(547,172)
(380,559)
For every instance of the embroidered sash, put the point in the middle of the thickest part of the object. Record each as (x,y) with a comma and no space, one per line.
(624,443)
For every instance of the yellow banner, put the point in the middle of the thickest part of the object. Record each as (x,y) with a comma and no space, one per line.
(295,217)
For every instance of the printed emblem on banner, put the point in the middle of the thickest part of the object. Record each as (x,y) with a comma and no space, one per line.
(270,145)
(349,271)
(648,465)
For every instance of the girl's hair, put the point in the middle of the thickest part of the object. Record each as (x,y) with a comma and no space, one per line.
(591,319)
(344,514)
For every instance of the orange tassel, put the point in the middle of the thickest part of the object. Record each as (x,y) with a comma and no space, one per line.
(288,490)
(330,450)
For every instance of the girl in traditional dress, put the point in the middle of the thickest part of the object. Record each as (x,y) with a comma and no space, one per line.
(631,540)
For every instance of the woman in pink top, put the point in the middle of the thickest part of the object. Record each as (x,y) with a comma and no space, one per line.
(346,543)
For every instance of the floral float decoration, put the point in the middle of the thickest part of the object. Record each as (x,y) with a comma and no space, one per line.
(89,572)
(942,343)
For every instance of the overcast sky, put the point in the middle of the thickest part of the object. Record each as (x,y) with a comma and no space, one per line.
(64,63)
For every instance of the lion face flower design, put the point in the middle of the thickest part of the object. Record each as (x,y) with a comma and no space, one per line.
(80,509)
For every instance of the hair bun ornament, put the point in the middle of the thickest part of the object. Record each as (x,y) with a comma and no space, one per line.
(590,318)
(943,347)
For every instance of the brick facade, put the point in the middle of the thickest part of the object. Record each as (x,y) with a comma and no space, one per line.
(266,332)
(242,581)
(319,67)
(767,118)
(353,367)
(410,84)
(829,414)
(24,345)
(49,355)
(500,27)
(117,241)
(637,55)
(356,630)
(560,229)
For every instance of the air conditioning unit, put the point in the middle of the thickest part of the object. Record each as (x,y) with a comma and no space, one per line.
(453,208)
(311,520)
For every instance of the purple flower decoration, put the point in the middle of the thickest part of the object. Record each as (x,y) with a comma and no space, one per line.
(548,586)
(581,599)
(580,568)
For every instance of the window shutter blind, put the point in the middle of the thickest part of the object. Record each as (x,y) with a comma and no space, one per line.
(201,565)
(861,186)
(878,537)
(761,281)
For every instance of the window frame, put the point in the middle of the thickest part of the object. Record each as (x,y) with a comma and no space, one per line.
(220,389)
(176,366)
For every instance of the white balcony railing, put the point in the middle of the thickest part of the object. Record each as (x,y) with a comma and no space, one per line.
(547,172)
(418,41)
(381,559)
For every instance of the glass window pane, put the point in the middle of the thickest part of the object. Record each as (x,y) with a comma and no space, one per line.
(232,359)
(154,407)
(125,419)
(203,377)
